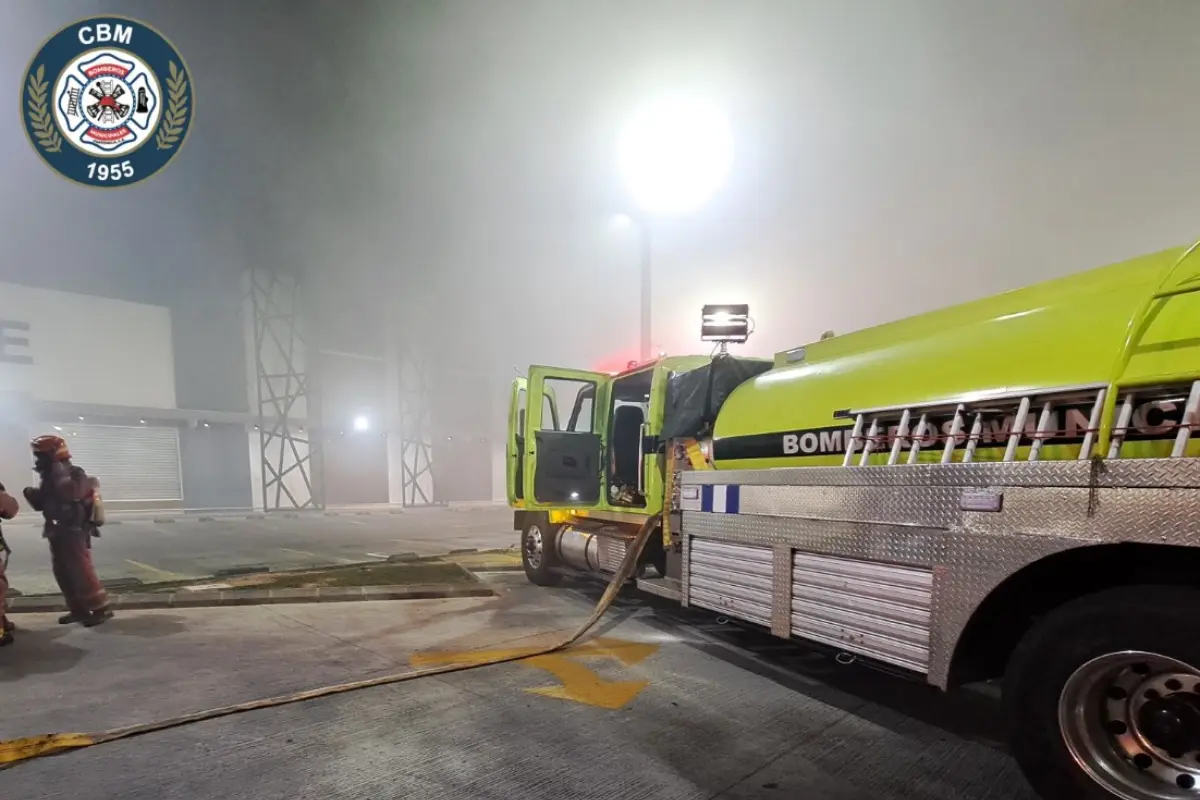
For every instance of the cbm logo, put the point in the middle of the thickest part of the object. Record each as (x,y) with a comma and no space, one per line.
(107,101)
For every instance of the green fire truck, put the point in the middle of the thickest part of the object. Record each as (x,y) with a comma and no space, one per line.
(1004,489)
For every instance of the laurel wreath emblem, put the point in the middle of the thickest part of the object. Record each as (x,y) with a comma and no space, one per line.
(45,132)
(176,115)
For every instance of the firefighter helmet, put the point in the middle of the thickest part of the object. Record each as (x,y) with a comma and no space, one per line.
(51,447)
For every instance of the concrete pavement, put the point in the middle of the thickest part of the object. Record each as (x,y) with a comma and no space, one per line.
(647,711)
(190,548)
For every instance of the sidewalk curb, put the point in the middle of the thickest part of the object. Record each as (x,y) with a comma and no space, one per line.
(254,597)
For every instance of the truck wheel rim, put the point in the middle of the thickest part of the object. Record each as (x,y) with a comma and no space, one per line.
(533,548)
(1131,721)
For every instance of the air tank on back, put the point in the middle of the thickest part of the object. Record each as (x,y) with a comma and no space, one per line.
(1067,332)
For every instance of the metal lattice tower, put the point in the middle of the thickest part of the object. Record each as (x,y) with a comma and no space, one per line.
(287,451)
(416,429)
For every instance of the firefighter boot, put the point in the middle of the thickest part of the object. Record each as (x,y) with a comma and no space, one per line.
(98,617)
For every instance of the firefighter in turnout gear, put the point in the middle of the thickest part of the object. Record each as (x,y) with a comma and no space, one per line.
(68,499)
(8,510)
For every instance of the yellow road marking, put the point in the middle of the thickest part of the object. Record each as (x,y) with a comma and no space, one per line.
(582,685)
(162,574)
(579,684)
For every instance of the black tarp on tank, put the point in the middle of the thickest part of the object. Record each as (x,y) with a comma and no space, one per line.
(695,397)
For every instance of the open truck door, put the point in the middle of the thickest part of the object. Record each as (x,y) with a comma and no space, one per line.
(563,439)
(515,446)
(518,403)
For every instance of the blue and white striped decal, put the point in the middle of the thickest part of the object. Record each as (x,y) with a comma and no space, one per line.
(720,499)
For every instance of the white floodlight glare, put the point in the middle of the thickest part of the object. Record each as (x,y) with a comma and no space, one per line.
(675,156)
(725,323)
(361,423)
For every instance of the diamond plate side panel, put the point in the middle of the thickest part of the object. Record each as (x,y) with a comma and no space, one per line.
(974,565)
(927,506)
(1048,508)
(1039,522)
(781,592)
(896,544)
(1152,516)
(1119,473)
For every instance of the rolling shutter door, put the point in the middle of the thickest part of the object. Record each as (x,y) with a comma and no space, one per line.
(134,463)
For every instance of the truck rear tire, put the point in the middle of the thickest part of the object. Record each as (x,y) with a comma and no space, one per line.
(1102,697)
(539,552)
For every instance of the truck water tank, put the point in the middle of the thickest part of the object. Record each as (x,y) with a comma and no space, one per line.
(1066,332)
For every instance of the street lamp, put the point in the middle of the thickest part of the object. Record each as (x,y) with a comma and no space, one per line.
(644,248)
(672,158)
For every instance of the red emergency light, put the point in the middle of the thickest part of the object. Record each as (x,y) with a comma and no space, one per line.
(615,365)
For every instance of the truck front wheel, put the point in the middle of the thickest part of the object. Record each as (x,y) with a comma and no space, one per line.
(539,552)
(1102,697)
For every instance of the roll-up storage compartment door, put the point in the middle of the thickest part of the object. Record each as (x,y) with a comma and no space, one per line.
(731,578)
(135,464)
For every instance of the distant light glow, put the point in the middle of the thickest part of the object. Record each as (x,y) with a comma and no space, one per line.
(361,423)
(675,155)
(621,221)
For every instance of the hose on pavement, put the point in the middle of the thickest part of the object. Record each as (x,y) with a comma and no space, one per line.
(18,751)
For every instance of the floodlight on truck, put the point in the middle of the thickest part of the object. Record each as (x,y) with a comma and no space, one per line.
(725,323)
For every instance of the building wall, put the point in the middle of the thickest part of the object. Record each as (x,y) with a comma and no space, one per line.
(499,470)
(356,468)
(355,462)
(124,363)
(215,467)
(65,355)
(62,346)
(463,430)
(210,374)
(78,350)
(207,334)
(15,461)
(282,297)
(292,490)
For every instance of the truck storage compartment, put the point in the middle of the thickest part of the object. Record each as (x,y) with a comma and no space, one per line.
(734,579)
(877,610)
